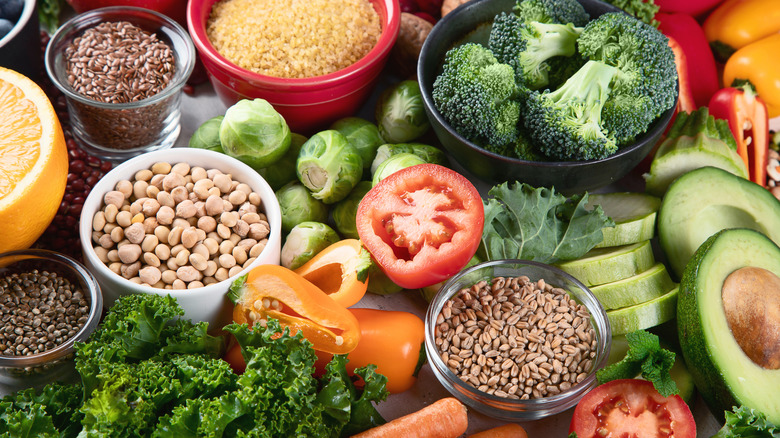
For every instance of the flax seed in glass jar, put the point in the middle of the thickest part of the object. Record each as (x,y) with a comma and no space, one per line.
(122,70)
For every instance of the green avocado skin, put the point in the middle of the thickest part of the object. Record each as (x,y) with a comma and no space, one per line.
(708,374)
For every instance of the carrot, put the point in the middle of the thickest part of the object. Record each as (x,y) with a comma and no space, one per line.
(510,430)
(445,418)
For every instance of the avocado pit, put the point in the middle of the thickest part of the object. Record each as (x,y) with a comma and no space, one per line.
(751,301)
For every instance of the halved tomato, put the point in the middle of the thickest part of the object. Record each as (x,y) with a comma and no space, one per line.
(422,224)
(631,408)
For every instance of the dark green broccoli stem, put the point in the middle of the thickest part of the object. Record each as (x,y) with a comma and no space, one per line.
(544,41)
(701,122)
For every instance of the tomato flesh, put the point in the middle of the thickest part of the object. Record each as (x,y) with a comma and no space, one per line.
(421,224)
(631,408)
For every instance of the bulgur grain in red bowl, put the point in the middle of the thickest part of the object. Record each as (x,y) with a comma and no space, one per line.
(315,61)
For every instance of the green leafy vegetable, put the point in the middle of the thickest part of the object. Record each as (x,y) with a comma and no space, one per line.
(145,372)
(745,422)
(644,355)
(49,14)
(522,222)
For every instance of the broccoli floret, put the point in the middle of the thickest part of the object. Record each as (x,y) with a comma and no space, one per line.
(521,148)
(647,80)
(552,11)
(477,95)
(527,46)
(566,124)
(644,10)
(562,68)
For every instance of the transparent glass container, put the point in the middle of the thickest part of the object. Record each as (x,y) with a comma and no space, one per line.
(55,364)
(505,408)
(117,131)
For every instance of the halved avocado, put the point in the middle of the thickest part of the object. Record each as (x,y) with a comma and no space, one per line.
(705,201)
(733,363)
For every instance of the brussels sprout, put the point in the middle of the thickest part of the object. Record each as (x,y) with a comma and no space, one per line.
(394,164)
(253,132)
(207,135)
(345,211)
(400,113)
(304,242)
(329,166)
(283,171)
(430,154)
(379,283)
(363,134)
(298,205)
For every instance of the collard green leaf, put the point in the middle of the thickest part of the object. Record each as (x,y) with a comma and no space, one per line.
(522,222)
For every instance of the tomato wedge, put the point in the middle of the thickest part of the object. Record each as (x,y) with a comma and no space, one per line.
(631,408)
(421,224)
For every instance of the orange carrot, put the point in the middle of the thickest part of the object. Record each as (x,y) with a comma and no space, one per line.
(445,418)
(510,430)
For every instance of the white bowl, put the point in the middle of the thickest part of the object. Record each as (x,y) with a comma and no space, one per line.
(208,303)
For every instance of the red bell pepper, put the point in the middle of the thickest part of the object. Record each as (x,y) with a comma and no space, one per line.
(685,100)
(692,7)
(749,122)
(700,60)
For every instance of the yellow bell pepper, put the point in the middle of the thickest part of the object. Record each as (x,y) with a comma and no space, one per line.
(736,23)
(758,63)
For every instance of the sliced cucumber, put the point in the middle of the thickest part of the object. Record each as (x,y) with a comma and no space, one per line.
(633,213)
(645,315)
(606,265)
(667,168)
(634,290)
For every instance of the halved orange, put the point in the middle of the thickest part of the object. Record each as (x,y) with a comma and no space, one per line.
(33,161)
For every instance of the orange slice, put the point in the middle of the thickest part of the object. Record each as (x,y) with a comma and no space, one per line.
(33,161)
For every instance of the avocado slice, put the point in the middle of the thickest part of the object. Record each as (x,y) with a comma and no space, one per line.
(723,372)
(705,201)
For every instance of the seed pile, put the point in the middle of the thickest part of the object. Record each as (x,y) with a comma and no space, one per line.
(516,338)
(118,62)
(177,227)
(39,310)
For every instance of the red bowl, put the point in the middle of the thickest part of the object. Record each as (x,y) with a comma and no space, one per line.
(307,104)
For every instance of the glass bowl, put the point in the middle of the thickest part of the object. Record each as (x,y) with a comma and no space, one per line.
(500,404)
(36,370)
(118,131)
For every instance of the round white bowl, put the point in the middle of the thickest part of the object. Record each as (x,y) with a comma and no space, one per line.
(208,303)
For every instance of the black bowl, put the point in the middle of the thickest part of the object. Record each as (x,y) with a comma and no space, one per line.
(471,22)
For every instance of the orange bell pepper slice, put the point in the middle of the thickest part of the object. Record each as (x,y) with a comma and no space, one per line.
(337,269)
(272,291)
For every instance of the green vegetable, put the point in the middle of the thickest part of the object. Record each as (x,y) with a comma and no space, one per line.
(644,10)
(628,82)
(400,114)
(329,166)
(363,134)
(345,211)
(528,45)
(283,171)
(304,241)
(145,372)
(253,132)
(207,135)
(552,11)
(522,222)
(394,164)
(430,154)
(298,205)
(477,96)
(745,422)
(644,356)
(694,140)
(49,14)
(379,282)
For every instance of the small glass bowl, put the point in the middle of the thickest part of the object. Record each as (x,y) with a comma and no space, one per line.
(117,131)
(56,364)
(504,408)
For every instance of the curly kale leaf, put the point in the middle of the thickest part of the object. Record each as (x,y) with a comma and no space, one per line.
(522,222)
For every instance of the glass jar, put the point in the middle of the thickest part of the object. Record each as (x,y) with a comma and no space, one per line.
(117,131)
